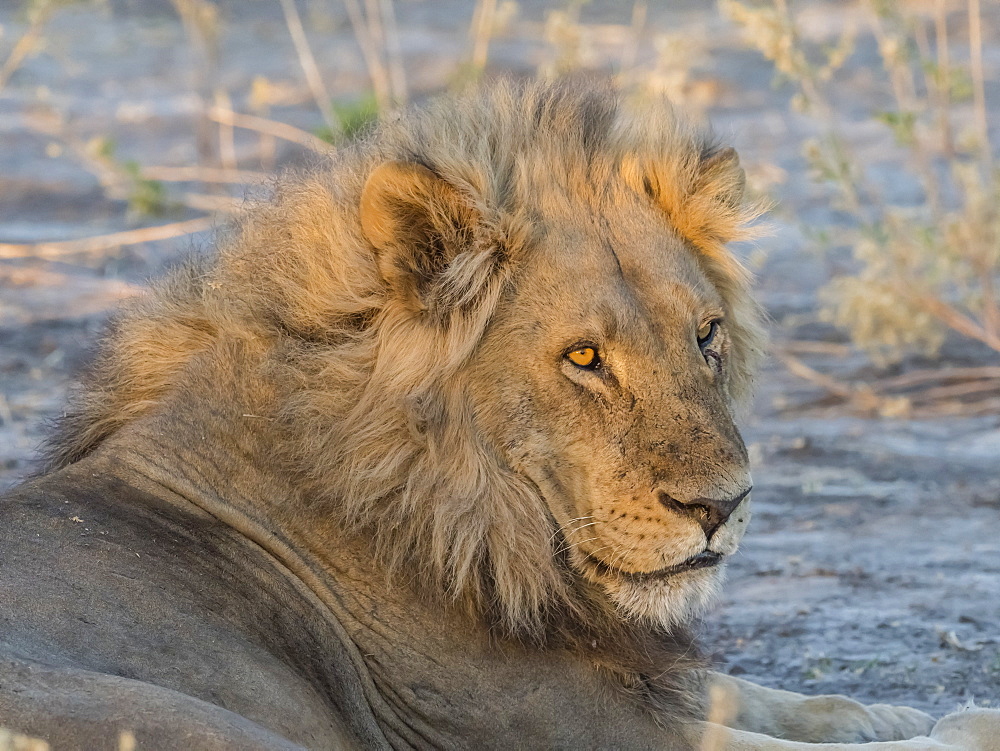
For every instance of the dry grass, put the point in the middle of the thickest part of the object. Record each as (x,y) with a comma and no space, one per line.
(922,273)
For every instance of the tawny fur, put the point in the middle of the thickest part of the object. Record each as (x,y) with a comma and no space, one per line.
(360,373)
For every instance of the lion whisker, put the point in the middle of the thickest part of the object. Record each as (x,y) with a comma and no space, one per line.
(567,548)
(566,527)
(593,553)
(618,555)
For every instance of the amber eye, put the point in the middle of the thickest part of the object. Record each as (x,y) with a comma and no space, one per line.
(707,333)
(585,357)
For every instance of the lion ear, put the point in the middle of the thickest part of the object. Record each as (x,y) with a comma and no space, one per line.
(721,177)
(702,196)
(417,223)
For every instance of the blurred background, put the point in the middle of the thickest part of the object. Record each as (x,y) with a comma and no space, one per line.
(129,129)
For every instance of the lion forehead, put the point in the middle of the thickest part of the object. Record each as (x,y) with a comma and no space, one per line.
(628,261)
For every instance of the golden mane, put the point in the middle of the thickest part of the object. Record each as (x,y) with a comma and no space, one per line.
(371,416)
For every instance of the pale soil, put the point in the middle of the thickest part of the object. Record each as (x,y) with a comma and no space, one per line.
(873,563)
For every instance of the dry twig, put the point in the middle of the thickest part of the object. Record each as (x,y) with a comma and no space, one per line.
(200,20)
(942,86)
(919,377)
(631,46)
(481,31)
(920,393)
(978,86)
(203,175)
(807,373)
(366,37)
(274,128)
(308,63)
(227,135)
(394,53)
(989,386)
(101,243)
(27,43)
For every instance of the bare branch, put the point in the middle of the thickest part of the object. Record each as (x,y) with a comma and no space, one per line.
(394,52)
(978,88)
(26,44)
(270,127)
(203,175)
(308,63)
(100,243)
(482,30)
(372,55)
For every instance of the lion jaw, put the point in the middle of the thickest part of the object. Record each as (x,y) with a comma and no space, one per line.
(680,593)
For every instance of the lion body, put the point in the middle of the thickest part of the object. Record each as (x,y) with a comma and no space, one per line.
(151,617)
(342,484)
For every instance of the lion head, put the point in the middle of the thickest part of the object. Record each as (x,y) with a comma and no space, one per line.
(504,343)
(603,382)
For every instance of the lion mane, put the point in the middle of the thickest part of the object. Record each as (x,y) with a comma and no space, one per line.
(360,389)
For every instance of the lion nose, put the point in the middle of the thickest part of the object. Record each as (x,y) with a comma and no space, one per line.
(710,513)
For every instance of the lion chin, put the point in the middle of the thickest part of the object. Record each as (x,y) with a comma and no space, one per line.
(666,601)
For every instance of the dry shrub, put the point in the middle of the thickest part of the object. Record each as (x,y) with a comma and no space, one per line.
(922,271)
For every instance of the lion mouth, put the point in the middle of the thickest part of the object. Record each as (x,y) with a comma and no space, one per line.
(704,559)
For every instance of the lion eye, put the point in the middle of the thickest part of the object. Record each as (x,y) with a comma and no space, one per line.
(707,333)
(585,357)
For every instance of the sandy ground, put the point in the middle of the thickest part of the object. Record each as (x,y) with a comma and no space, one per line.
(872,566)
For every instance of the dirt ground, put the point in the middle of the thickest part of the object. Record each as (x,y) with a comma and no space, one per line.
(872,566)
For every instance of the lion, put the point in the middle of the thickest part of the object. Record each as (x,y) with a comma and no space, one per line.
(438,449)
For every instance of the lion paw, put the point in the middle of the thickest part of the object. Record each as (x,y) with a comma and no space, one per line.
(892,723)
(833,718)
(970,730)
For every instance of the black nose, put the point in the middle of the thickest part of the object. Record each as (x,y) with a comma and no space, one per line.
(710,513)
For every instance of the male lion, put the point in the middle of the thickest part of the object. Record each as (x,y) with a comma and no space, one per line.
(437,451)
